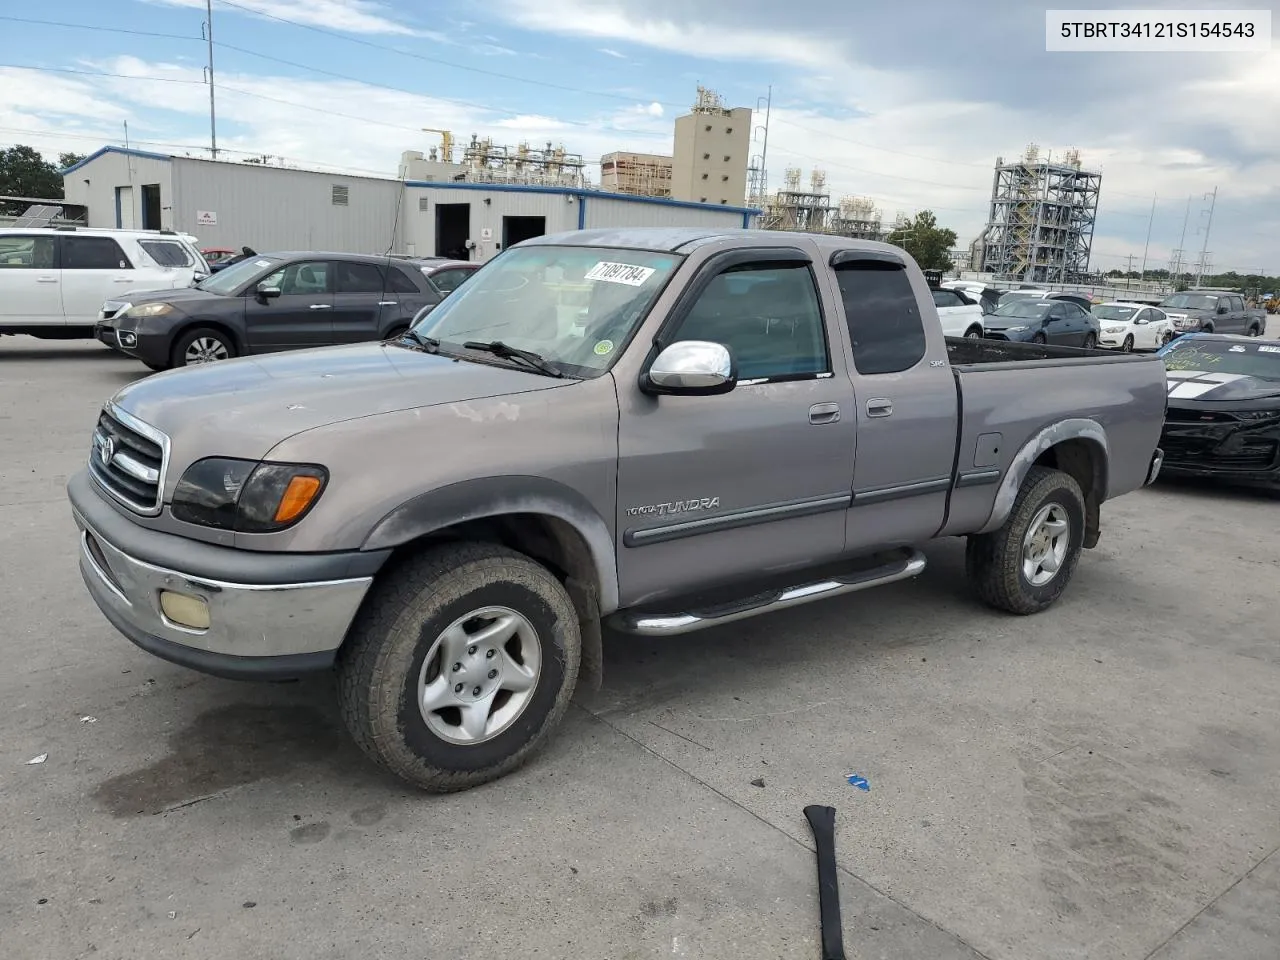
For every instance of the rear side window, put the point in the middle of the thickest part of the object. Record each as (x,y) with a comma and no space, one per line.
(883,316)
(167,253)
(357,277)
(945,298)
(399,283)
(93,253)
(448,280)
(26,252)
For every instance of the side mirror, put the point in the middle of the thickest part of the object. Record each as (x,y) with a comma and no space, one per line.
(695,368)
(417,317)
(267,292)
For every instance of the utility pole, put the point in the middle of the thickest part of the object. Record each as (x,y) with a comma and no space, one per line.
(1204,250)
(1175,268)
(1147,245)
(207,30)
(1129,269)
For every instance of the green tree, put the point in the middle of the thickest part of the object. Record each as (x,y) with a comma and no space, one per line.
(24,173)
(69,159)
(929,245)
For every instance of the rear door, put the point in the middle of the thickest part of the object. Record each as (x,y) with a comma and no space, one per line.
(299,317)
(359,299)
(30,281)
(94,269)
(904,401)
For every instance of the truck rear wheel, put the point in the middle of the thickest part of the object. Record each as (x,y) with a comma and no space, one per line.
(1024,566)
(460,664)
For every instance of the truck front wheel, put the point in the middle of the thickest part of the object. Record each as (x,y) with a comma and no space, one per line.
(462,661)
(1024,566)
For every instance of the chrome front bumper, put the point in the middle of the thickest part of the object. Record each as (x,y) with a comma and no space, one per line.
(254,630)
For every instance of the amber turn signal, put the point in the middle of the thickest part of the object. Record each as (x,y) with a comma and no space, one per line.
(297,497)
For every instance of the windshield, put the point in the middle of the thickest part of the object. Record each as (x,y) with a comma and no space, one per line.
(1105,312)
(1190,301)
(1223,356)
(1023,308)
(226,282)
(574,306)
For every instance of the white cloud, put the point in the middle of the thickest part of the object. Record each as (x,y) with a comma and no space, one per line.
(613,53)
(654,109)
(349,16)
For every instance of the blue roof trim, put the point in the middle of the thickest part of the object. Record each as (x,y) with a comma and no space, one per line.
(577,192)
(145,154)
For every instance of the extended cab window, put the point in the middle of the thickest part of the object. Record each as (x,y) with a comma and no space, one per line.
(26,253)
(883,316)
(93,253)
(769,318)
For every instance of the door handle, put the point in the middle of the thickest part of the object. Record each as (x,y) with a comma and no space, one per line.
(879,407)
(388,303)
(821,413)
(320,306)
(46,279)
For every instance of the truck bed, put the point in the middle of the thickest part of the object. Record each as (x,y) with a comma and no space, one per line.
(965,352)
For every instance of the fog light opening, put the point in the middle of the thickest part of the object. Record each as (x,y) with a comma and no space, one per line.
(185,610)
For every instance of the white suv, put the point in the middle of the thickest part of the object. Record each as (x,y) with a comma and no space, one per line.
(57,282)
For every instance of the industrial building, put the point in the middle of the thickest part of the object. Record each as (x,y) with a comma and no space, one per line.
(794,208)
(712,143)
(1040,228)
(637,174)
(483,161)
(270,207)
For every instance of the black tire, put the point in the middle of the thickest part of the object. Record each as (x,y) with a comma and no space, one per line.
(1127,346)
(973,333)
(1039,338)
(178,356)
(1090,341)
(397,627)
(994,561)
(1255,332)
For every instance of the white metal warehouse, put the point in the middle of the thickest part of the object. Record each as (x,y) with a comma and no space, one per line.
(278,208)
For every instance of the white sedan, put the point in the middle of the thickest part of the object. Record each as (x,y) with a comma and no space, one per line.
(1132,326)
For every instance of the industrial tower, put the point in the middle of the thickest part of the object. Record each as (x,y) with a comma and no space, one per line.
(1040,228)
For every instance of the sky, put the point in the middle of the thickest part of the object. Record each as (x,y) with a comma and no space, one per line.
(908,103)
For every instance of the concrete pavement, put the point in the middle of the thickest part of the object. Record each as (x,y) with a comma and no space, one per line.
(1100,781)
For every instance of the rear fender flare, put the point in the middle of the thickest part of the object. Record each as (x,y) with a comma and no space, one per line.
(503,496)
(1024,460)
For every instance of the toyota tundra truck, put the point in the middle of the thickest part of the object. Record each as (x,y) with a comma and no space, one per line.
(654,430)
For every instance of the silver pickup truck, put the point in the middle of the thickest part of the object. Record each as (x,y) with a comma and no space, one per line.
(655,429)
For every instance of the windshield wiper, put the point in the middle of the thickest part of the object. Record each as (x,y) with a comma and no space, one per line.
(429,344)
(500,349)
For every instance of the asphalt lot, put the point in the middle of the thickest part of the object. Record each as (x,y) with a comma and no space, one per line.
(1100,781)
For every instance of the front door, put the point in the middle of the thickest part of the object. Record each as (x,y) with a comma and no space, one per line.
(30,281)
(905,404)
(1060,329)
(299,317)
(717,488)
(360,296)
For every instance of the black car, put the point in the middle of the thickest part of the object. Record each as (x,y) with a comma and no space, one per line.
(272,302)
(1223,418)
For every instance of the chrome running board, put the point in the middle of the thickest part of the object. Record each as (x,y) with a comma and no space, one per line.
(650,624)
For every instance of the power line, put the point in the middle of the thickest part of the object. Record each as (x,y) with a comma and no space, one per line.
(97,29)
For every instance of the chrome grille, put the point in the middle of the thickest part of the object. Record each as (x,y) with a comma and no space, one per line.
(128,459)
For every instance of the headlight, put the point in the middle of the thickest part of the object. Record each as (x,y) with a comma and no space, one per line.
(1114,330)
(1015,329)
(247,496)
(148,310)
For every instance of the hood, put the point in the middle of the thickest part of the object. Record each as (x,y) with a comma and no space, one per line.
(244,407)
(1211,386)
(178,296)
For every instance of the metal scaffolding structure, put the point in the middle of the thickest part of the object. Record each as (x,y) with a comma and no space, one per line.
(638,174)
(1042,217)
(858,218)
(483,161)
(811,211)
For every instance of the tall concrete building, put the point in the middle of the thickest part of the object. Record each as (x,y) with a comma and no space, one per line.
(712,147)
